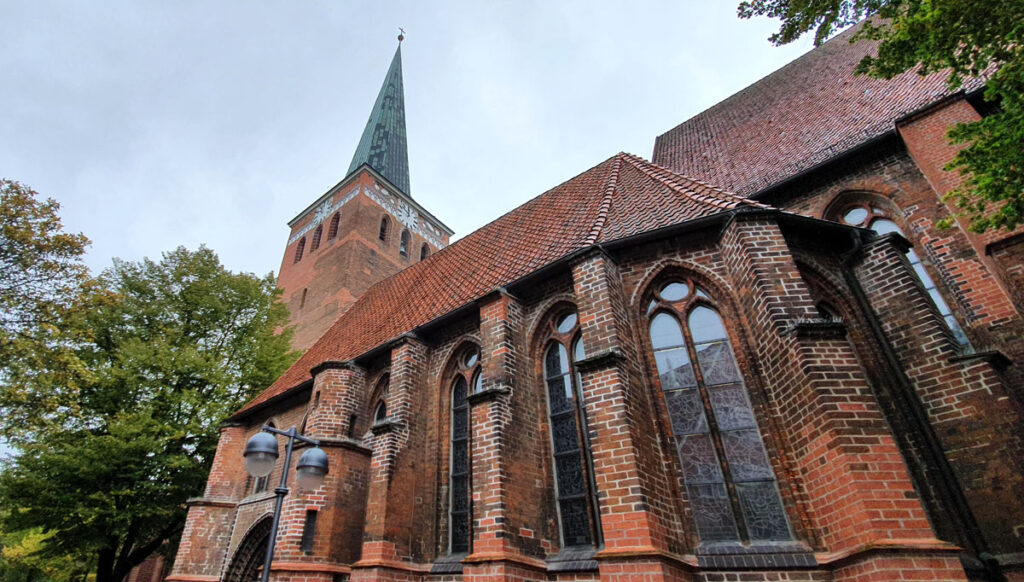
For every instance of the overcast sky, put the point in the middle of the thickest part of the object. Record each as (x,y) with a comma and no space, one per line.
(158,124)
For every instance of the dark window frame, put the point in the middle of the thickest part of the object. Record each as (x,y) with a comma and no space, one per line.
(464,380)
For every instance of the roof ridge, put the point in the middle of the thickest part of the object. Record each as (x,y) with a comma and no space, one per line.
(671,179)
(606,202)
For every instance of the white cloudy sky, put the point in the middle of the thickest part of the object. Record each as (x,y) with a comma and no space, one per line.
(157,124)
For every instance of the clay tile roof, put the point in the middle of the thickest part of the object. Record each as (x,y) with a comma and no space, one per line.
(806,113)
(622,196)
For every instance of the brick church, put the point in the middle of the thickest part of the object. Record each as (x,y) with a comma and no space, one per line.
(754,357)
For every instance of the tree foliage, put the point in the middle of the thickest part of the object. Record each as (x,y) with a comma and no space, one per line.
(967,39)
(167,351)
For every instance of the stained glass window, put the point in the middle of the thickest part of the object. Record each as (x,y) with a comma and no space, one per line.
(467,373)
(870,217)
(575,490)
(726,470)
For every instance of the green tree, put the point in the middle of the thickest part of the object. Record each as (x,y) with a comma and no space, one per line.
(985,37)
(169,352)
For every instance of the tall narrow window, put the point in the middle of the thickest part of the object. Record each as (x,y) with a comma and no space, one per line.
(308,531)
(317,235)
(728,477)
(424,251)
(867,215)
(300,249)
(403,249)
(467,374)
(385,225)
(332,230)
(574,485)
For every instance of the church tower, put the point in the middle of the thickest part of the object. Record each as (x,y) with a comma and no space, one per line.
(364,229)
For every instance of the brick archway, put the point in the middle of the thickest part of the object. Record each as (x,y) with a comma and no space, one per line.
(245,565)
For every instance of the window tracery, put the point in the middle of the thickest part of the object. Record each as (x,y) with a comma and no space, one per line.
(574,484)
(870,215)
(728,477)
(467,373)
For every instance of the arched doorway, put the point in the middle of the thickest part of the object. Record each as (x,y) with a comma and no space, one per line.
(245,565)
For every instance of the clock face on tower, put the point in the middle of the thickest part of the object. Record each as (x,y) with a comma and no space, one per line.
(407,215)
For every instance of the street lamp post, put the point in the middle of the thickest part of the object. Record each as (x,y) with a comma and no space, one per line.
(261,455)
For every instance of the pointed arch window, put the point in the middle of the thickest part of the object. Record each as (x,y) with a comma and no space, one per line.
(317,235)
(574,478)
(385,226)
(729,479)
(403,248)
(300,249)
(871,216)
(424,251)
(332,229)
(467,373)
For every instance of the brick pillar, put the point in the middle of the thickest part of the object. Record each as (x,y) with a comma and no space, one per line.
(340,502)
(641,530)
(495,555)
(394,485)
(857,488)
(204,540)
(977,420)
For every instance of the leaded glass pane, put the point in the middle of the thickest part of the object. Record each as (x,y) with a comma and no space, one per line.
(563,432)
(674,369)
(575,522)
(686,410)
(665,332)
(699,460)
(717,364)
(459,391)
(556,361)
(459,424)
(731,407)
(674,291)
(570,475)
(460,465)
(746,456)
(578,352)
(478,382)
(762,511)
(712,512)
(559,395)
(460,533)
(705,325)
(566,323)
(460,494)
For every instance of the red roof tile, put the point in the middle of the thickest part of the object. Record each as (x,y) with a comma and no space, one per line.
(807,112)
(622,196)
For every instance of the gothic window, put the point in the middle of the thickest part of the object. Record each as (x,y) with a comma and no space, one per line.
(424,251)
(299,250)
(385,225)
(867,215)
(317,235)
(403,248)
(729,479)
(380,414)
(332,230)
(574,484)
(467,373)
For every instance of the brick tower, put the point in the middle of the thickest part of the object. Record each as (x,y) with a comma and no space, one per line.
(365,228)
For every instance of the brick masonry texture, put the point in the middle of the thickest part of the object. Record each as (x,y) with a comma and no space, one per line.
(897,452)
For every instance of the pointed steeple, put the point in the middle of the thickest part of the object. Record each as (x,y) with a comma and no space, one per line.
(382,145)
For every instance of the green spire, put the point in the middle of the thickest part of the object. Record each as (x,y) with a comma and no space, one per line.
(382,146)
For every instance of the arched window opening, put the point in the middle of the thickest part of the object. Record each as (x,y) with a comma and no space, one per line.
(574,483)
(403,248)
(872,216)
(300,249)
(385,226)
(380,413)
(317,235)
(302,299)
(332,229)
(424,251)
(728,477)
(827,312)
(467,373)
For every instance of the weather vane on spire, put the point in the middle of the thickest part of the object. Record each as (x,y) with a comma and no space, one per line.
(401,34)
